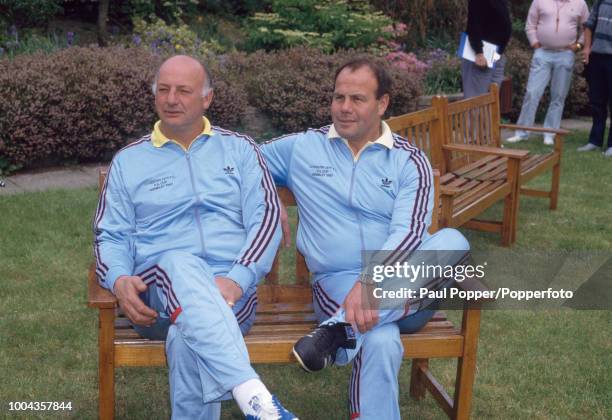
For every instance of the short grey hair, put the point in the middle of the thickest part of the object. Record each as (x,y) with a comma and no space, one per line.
(206,89)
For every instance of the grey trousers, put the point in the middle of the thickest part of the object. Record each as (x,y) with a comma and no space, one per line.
(476,80)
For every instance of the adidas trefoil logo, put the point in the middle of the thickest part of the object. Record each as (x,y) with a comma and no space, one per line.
(386,183)
(228,170)
(255,404)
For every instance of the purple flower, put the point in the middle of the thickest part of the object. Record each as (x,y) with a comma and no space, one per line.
(136,40)
(12,31)
(1,51)
(70,38)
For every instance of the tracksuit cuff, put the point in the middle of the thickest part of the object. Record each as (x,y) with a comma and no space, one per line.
(242,275)
(113,274)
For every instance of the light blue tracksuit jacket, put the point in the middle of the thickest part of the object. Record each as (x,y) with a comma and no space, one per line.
(381,201)
(215,200)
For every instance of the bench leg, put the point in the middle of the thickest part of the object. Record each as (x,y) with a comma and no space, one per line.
(106,364)
(417,387)
(554,189)
(508,221)
(466,365)
(511,208)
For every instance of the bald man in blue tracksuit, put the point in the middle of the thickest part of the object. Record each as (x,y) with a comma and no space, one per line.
(360,187)
(186,226)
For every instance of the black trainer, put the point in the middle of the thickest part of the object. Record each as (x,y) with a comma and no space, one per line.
(318,349)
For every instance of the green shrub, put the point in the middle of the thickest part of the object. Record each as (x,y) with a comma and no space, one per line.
(86,103)
(329,25)
(28,13)
(30,42)
(294,87)
(427,20)
(168,10)
(164,39)
(443,74)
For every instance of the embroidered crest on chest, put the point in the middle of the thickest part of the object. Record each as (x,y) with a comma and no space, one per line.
(322,171)
(161,183)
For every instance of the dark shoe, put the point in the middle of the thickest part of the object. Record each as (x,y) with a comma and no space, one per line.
(317,350)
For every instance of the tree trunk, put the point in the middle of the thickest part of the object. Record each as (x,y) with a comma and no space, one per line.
(102,18)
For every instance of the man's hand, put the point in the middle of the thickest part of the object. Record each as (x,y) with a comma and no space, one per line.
(480,60)
(536,46)
(284,219)
(586,52)
(356,312)
(573,47)
(230,290)
(127,289)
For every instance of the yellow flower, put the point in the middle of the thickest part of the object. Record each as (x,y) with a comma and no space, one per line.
(178,47)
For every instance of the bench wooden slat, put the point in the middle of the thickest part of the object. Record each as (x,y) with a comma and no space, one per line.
(474,165)
(130,353)
(477,190)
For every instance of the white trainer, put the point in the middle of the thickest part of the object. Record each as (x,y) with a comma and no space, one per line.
(608,153)
(549,140)
(589,147)
(515,139)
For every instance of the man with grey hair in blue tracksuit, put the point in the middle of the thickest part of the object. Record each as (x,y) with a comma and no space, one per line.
(360,187)
(186,226)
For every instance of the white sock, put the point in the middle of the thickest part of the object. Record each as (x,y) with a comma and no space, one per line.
(250,396)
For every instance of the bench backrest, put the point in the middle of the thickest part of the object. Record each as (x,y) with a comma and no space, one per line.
(472,121)
(425,130)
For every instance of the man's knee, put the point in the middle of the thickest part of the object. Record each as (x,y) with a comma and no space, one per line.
(171,259)
(384,341)
(447,239)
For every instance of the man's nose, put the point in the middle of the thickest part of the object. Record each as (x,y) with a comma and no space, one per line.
(346,106)
(172,97)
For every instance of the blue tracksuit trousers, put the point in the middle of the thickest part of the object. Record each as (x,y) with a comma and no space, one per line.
(373,388)
(207,356)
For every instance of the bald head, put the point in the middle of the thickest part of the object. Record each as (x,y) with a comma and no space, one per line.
(185,67)
(182,96)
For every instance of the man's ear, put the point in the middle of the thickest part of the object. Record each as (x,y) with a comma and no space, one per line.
(207,99)
(383,103)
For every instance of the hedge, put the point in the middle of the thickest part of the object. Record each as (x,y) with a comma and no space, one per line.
(294,87)
(81,104)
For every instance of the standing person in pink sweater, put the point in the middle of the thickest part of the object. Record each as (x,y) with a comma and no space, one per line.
(554,30)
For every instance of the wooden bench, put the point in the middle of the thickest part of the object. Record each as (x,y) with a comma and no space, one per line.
(476,122)
(469,186)
(284,314)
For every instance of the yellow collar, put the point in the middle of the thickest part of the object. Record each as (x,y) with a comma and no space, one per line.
(385,139)
(159,139)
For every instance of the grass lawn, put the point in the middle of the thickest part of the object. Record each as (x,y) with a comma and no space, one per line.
(553,364)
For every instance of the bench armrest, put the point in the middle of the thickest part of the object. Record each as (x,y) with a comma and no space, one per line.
(471,148)
(97,296)
(535,129)
(450,191)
